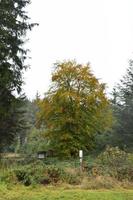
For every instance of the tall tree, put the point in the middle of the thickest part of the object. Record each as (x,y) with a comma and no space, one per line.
(74,109)
(123,103)
(14,23)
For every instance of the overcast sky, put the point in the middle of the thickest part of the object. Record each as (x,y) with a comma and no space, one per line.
(95,31)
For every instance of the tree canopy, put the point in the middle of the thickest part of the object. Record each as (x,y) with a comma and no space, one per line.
(74,109)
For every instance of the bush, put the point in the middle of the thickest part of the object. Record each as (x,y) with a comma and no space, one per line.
(44,174)
(24,176)
(71,179)
(113,157)
(54,173)
(57,174)
(29,174)
(71,176)
(115,163)
(99,182)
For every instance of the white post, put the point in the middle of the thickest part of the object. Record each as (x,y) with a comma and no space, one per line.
(81,159)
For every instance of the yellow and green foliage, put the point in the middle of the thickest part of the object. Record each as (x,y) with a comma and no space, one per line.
(74,109)
(115,163)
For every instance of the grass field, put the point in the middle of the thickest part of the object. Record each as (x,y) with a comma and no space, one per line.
(42,193)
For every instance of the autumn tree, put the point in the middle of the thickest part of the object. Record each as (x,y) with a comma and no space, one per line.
(14,24)
(74,109)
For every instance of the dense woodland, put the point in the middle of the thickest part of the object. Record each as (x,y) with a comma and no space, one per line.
(74,114)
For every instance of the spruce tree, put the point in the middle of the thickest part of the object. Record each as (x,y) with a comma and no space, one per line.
(14,24)
(123,104)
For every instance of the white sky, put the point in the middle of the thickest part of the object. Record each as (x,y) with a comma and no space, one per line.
(95,31)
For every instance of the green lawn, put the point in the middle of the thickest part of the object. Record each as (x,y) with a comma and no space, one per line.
(42,193)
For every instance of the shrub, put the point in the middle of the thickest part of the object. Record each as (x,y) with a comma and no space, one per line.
(113,157)
(54,173)
(44,174)
(58,174)
(99,182)
(29,174)
(71,179)
(23,176)
(115,163)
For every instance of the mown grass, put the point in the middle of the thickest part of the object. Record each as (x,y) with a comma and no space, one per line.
(44,193)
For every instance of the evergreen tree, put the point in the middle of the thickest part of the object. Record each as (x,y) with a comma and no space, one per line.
(14,23)
(123,104)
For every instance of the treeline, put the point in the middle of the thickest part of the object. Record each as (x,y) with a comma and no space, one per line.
(74,114)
